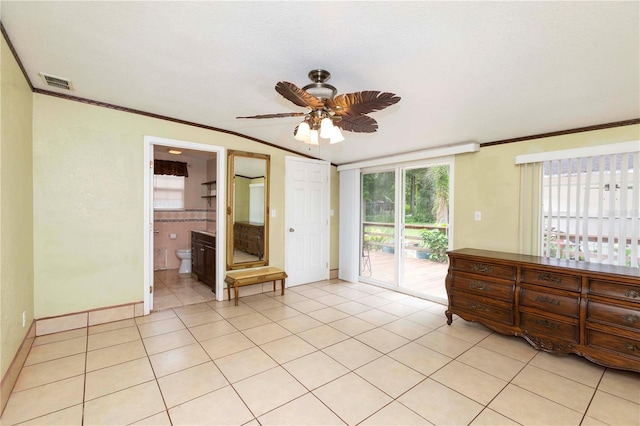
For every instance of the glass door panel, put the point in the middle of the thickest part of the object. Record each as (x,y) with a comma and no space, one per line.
(425,230)
(378,216)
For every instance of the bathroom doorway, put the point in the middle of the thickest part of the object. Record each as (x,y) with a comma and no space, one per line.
(173,212)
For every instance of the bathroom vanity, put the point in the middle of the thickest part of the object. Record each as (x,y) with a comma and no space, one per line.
(203,258)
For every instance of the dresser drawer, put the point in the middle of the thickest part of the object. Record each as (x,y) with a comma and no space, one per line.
(485,268)
(481,308)
(613,343)
(548,302)
(484,287)
(551,279)
(619,315)
(617,290)
(535,324)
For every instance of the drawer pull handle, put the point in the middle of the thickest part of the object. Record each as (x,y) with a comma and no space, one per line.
(477,267)
(547,299)
(632,292)
(550,278)
(632,319)
(548,324)
(478,285)
(479,307)
(631,347)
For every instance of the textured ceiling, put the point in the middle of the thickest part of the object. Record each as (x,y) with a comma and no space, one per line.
(466,71)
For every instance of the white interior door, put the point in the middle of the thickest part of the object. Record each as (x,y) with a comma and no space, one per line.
(306,220)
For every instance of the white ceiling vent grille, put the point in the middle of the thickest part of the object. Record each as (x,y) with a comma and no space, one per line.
(57,82)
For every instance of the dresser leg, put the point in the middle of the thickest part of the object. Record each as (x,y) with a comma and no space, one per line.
(449,317)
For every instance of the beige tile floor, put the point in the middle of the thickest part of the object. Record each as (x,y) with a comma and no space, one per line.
(327,353)
(172,290)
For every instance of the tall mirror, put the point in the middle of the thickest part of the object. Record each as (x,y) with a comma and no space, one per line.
(247,209)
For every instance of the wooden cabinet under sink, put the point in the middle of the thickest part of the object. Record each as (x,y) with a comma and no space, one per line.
(203,258)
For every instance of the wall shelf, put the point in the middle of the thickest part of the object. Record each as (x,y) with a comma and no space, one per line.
(210,191)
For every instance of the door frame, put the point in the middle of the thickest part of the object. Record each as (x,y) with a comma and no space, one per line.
(288,205)
(148,145)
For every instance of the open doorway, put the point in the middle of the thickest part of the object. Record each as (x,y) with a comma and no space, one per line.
(180,200)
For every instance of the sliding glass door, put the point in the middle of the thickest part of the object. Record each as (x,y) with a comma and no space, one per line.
(405,228)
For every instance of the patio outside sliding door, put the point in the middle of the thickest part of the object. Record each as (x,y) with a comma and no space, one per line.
(405,228)
(378,236)
(425,230)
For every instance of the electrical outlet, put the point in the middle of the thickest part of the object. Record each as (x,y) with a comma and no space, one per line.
(478,216)
(24,318)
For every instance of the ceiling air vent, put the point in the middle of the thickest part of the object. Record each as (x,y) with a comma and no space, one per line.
(57,82)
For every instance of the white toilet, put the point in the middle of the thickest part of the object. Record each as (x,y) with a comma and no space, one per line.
(185,263)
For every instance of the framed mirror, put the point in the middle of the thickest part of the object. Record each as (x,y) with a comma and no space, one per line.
(247,209)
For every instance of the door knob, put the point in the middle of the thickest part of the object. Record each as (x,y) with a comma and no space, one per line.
(291,230)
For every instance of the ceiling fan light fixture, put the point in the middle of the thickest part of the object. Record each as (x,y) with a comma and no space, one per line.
(321,90)
(326,126)
(313,138)
(302,134)
(336,135)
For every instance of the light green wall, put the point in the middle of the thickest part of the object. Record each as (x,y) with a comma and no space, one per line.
(88,202)
(16,206)
(488,181)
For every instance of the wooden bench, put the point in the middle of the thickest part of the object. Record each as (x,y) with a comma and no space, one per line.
(255,276)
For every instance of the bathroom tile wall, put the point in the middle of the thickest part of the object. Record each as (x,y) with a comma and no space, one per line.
(180,223)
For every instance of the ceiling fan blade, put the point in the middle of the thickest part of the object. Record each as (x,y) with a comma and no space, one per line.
(357,123)
(362,102)
(298,96)
(279,115)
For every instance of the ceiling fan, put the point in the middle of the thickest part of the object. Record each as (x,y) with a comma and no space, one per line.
(328,113)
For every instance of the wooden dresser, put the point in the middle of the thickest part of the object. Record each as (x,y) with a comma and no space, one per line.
(249,238)
(559,306)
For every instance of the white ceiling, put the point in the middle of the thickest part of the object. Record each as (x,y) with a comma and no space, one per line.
(466,71)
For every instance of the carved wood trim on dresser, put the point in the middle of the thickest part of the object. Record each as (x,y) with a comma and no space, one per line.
(558,306)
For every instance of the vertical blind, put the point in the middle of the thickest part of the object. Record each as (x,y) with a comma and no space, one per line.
(581,206)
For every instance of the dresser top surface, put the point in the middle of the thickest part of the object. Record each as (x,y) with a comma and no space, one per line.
(533,261)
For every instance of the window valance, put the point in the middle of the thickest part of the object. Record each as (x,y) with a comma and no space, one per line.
(165,167)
